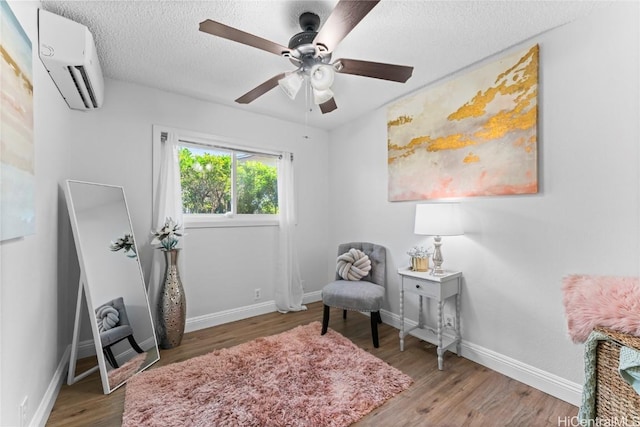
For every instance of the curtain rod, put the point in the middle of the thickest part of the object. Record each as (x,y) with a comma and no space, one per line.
(163,138)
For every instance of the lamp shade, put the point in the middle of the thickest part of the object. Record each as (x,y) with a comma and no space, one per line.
(291,84)
(322,96)
(321,76)
(438,219)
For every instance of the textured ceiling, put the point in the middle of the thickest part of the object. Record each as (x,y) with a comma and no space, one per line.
(157,44)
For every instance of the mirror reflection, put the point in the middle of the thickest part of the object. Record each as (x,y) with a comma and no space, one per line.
(112,281)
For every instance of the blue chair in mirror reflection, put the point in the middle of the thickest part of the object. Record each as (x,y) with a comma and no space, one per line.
(364,295)
(113,325)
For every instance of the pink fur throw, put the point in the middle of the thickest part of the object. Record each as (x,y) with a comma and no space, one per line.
(610,302)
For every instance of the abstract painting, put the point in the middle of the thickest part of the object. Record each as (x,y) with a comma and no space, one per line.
(17,178)
(473,135)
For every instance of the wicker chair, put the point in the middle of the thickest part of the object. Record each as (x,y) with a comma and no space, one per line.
(615,398)
(366,295)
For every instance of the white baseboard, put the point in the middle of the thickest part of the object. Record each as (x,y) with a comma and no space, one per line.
(310,297)
(41,415)
(530,375)
(240,313)
(86,348)
(227,316)
(544,381)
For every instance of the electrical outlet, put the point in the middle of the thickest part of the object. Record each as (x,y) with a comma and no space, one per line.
(256,294)
(449,321)
(24,406)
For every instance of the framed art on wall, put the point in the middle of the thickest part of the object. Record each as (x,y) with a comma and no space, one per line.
(17,178)
(473,135)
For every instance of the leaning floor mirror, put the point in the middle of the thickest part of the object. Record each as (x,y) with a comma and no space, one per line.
(112,284)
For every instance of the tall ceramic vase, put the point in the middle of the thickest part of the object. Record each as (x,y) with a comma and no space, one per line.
(172,305)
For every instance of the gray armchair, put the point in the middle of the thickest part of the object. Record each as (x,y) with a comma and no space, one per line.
(365,295)
(118,333)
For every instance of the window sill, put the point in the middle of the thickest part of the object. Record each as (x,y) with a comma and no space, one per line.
(193,221)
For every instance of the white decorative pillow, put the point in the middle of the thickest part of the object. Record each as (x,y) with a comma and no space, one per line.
(107,317)
(353,265)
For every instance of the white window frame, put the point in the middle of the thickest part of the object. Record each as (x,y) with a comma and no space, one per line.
(215,142)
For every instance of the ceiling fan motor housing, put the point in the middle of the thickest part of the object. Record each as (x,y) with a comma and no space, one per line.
(306,54)
(305,37)
(309,21)
(309,24)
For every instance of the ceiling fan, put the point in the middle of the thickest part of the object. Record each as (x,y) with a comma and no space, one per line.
(310,51)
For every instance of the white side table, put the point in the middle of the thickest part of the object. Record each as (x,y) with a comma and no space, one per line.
(438,288)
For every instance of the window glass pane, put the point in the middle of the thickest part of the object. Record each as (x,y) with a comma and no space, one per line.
(256,184)
(205,177)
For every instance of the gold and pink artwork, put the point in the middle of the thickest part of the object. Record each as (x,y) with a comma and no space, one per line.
(473,135)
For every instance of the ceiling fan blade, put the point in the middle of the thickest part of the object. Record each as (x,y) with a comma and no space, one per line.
(346,15)
(230,33)
(377,70)
(329,106)
(260,90)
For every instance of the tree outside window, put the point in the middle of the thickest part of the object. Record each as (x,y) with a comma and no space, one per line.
(257,185)
(207,179)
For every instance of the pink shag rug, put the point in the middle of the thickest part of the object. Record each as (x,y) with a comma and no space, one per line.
(296,378)
(605,301)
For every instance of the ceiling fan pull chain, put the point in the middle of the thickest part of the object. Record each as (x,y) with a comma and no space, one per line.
(307,107)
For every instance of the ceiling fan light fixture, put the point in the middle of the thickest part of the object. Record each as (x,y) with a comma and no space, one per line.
(310,52)
(322,76)
(322,96)
(291,84)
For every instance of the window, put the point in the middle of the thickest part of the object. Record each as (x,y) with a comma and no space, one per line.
(205,178)
(225,183)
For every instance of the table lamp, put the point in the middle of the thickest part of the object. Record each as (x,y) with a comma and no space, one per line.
(438,219)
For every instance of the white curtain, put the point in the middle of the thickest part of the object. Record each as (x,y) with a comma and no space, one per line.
(167,204)
(289,292)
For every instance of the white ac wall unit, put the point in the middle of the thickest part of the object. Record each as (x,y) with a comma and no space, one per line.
(68,52)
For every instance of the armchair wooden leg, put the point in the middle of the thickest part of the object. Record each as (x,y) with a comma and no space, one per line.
(134,344)
(374,329)
(344,314)
(110,357)
(325,319)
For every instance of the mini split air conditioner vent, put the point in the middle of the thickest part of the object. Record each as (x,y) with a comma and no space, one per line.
(69,54)
(83,86)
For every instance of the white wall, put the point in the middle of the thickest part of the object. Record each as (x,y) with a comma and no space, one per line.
(34,293)
(585,218)
(113,145)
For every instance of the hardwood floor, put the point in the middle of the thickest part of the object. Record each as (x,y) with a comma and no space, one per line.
(464,394)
